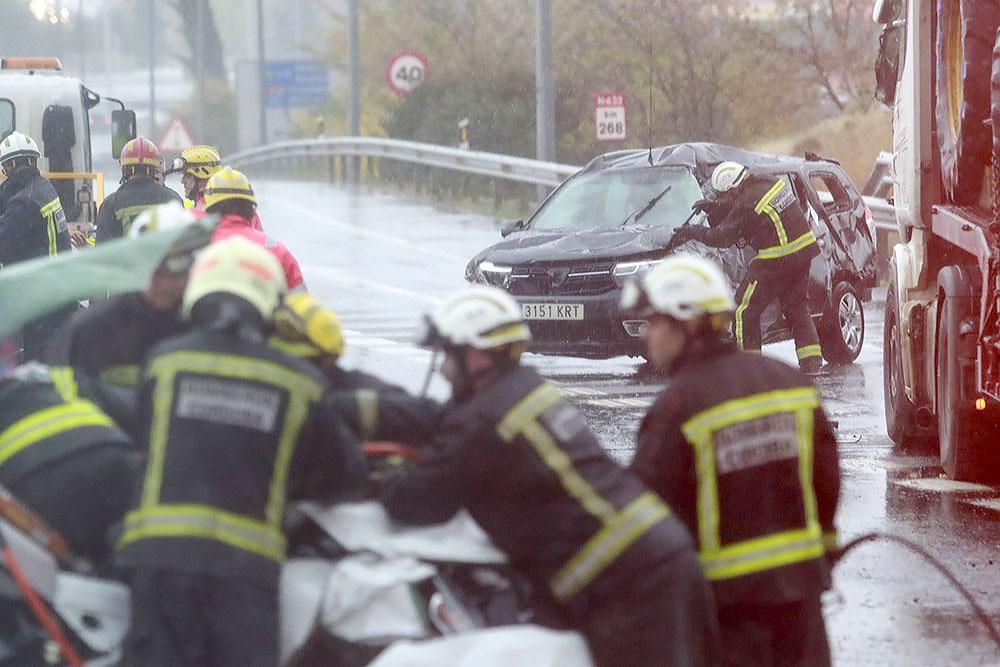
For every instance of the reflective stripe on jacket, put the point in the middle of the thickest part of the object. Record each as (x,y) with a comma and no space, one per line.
(767,215)
(741,449)
(523,462)
(43,420)
(33,223)
(234,428)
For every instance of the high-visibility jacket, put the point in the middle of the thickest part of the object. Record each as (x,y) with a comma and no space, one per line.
(523,462)
(766,214)
(43,420)
(234,225)
(120,209)
(111,339)
(739,446)
(234,429)
(32,223)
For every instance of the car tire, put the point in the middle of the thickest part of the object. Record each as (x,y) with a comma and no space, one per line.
(962,431)
(900,413)
(965,41)
(842,329)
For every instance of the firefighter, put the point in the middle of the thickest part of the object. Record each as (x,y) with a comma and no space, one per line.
(764,212)
(197,164)
(110,339)
(229,195)
(140,189)
(233,429)
(32,224)
(374,409)
(740,448)
(520,458)
(63,457)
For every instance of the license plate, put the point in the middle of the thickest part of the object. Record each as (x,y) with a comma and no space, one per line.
(552,311)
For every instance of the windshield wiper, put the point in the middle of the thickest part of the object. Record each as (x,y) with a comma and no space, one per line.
(646,207)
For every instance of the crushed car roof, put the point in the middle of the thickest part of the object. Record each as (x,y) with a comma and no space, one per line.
(701,158)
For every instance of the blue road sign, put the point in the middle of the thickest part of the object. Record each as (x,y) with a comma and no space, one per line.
(295,83)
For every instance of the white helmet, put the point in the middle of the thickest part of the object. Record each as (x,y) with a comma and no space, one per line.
(729,176)
(683,286)
(161,218)
(481,317)
(18,144)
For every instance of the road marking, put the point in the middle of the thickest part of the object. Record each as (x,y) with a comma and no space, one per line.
(943,485)
(356,229)
(327,273)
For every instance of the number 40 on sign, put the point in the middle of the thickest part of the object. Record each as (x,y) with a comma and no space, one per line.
(609,115)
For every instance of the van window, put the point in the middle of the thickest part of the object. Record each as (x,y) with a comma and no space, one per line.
(831,192)
(6,117)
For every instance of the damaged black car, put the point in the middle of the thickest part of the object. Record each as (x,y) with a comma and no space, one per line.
(611,222)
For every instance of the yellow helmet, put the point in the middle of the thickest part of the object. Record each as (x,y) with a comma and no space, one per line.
(227,183)
(302,319)
(200,161)
(239,267)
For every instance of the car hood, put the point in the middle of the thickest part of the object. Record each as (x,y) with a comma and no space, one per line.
(595,245)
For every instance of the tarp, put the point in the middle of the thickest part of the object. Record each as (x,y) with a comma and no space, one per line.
(365,526)
(496,647)
(29,290)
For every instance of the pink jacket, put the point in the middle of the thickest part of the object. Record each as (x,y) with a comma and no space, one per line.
(234,225)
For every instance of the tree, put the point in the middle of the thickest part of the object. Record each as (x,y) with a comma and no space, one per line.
(208,68)
(834,41)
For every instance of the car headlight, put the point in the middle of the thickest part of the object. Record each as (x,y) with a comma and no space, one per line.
(493,274)
(625,271)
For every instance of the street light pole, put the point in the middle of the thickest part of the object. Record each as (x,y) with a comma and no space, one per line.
(354,106)
(200,69)
(545,113)
(152,68)
(262,101)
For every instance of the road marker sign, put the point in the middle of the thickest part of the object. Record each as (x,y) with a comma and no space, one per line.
(176,137)
(609,116)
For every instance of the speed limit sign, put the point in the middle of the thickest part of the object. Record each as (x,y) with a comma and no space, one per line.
(406,70)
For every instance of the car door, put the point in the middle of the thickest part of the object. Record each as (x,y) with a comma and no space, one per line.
(845,216)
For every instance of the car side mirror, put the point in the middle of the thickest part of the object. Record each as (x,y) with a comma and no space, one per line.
(511,226)
(887,64)
(122,130)
(886,11)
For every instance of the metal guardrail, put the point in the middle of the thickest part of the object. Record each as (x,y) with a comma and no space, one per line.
(472,162)
(505,167)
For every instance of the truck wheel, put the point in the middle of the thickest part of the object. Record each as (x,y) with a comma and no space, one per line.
(965,39)
(900,412)
(842,329)
(962,431)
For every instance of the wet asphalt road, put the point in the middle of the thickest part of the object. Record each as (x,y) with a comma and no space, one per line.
(381,261)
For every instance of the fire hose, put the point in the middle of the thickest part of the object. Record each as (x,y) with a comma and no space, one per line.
(979,612)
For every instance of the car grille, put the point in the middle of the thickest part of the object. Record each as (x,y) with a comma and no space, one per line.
(561,280)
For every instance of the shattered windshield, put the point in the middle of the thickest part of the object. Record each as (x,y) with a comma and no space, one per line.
(604,199)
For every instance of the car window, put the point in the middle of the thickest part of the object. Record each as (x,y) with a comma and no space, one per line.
(6,118)
(605,198)
(831,192)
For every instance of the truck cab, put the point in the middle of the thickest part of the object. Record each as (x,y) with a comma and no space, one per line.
(54,110)
(941,352)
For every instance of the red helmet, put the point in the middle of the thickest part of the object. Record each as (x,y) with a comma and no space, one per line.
(140,152)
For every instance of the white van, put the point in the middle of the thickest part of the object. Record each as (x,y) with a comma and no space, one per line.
(54,110)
